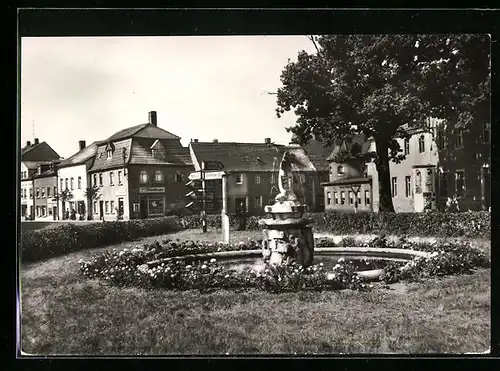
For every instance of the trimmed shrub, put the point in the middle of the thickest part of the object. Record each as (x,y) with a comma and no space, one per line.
(46,243)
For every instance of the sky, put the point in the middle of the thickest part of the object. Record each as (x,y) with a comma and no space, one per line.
(88,88)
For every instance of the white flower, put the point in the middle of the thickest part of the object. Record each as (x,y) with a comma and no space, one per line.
(341,260)
(321,264)
(226,276)
(204,266)
(213,260)
(188,266)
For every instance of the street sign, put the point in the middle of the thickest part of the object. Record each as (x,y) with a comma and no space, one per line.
(213,165)
(209,175)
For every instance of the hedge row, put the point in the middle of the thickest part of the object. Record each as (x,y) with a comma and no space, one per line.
(49,242)
(46,243)
(431,224)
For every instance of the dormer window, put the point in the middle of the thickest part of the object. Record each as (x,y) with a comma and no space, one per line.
(157,150)
(340,170)
(109,150)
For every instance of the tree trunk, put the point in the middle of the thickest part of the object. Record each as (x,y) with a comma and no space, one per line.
(384,177)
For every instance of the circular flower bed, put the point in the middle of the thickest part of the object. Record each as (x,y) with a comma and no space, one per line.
(129,267)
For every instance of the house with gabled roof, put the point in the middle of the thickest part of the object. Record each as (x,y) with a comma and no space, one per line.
(253,173)
(36,158)
(72,175)
(140,171)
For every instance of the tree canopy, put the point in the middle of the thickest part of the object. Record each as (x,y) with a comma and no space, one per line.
(383,86)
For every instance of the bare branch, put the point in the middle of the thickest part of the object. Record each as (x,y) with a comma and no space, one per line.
(314,43)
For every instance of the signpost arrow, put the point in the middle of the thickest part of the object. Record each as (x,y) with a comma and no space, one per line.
(209,175)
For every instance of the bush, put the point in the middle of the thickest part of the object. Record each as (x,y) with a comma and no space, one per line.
(429,224)
(46,243)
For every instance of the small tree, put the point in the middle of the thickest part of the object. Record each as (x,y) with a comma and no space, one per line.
(64,196)
(92,194)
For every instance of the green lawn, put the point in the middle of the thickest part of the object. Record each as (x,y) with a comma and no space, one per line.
(64,313)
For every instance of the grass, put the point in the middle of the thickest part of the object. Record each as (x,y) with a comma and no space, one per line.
(64,313)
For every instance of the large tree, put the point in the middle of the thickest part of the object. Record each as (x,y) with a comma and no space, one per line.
(381,87)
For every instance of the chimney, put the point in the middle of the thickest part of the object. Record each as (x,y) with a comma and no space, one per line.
(267,140)
(28,144)
(152,118)
(81,144)
(215,141)
(194,140)
(36,141)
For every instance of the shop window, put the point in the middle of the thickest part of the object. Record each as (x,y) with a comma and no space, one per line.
(156,206)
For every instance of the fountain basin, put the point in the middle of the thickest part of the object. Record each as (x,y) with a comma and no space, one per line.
(368,260)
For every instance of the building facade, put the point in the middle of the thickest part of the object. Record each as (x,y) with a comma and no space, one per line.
(45,190)
(73,177)
(253,174)
(33,156)
(440,163)
(140,172)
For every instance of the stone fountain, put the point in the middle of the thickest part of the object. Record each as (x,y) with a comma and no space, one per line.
(287,234)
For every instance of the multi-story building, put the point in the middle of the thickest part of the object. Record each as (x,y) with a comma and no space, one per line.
(437,159)
(45,186)
(252,174)
(141,172)
(32,156)
(72,174)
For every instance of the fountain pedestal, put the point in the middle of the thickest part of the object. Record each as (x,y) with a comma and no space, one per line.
(287,234)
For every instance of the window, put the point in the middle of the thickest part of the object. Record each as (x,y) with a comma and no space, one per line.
(367,197)
(119,178)
(486,133)
(418,182)
(111,182)
(106,207)
(66,183)
(460,137)
(55,191)
(156,206)
(62,184)
(407,146)
(31,192)
(109,154)
(257,179)
(328,198)
(112,205)
(136,208)
(144,177)
(38,211)
(257,202)
(340,170)
(358,194)
(421,144)
(394,186)
(95,179)
(178,177)
(43,192)
(239,179)
(460,183)
(443,184)
(38,193)
(440,140)
(100,179)
(48,191)
(342,198)
(158,176)
(44,211)
(72,183)
(302,178)
(408,186)
(272,179)
(95,207)
(50,211)
(351,197)
(79,182)
(24,191)
(336,197)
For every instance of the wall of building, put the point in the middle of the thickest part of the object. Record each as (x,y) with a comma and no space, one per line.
(333,198)
(110,193)
(44,202)
(78,190)
(170,191)
(26,201)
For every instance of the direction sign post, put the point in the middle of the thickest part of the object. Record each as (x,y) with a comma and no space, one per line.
(208,175)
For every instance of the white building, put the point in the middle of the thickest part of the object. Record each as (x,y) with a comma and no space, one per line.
(72,175)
